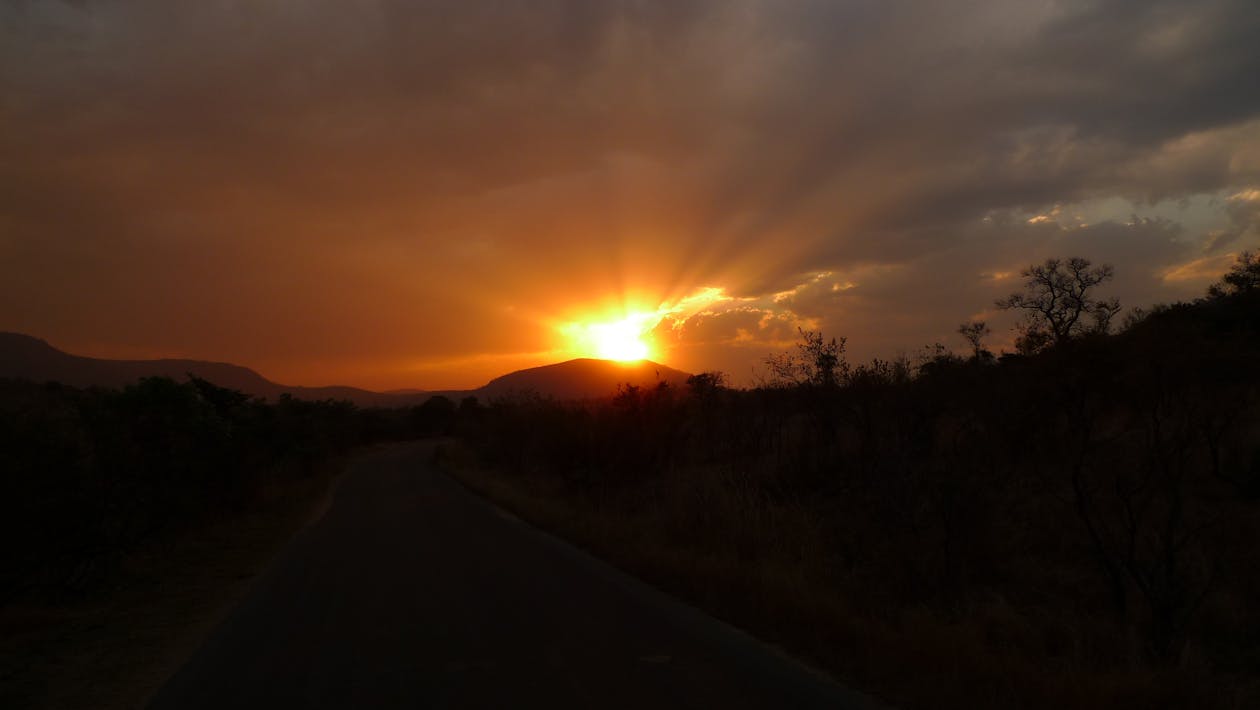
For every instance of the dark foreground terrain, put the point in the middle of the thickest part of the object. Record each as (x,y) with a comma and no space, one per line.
(1072,525)
(410,591)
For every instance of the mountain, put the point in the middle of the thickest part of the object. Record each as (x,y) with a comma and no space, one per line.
(25,357)
(584,378)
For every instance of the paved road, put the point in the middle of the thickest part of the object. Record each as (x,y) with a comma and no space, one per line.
(413,592)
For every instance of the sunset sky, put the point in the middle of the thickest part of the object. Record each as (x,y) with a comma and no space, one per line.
(398,193)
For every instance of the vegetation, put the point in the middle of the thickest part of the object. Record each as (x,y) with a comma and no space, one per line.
(1058,303)
(89,474)
(1072,527)
(130,518)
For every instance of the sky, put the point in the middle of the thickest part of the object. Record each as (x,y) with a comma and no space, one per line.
(427,194)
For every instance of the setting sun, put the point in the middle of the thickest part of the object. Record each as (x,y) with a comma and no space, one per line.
(623,340)
(619,341)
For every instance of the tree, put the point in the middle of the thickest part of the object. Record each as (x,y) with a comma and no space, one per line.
(817,361)
(435,416)
(1058,303)
(706,385)
(974,332)
(1243,277)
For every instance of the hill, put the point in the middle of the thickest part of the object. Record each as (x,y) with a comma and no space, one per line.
(584,378)
(25,357)
(29,358)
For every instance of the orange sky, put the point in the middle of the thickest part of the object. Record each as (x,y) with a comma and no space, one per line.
(428,194)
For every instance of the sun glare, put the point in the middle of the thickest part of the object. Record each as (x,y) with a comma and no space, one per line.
(631,335)
(622,340)
(619,341)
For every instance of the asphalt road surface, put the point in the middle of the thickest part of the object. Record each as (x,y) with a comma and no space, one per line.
(413,592)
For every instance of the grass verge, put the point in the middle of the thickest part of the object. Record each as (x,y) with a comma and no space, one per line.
(766,570)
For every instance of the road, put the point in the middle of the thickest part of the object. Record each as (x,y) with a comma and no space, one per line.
(411,591)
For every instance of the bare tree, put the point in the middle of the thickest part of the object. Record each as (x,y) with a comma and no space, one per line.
(1058,302)
(974,332)
(816,362)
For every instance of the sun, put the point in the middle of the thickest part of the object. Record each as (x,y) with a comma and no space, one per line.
(622,340)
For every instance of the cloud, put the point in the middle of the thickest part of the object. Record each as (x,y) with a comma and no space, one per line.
(1201,271)
(337,181)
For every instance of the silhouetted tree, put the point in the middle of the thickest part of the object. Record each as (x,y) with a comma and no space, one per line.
(470,415)
(816,361)
(935,358)
(1058,304)
(1243,277)
(435,416)
(705,384)
(974,332)
(1134,317)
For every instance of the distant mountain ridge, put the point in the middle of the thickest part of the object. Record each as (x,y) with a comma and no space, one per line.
(30,358)
(27,357)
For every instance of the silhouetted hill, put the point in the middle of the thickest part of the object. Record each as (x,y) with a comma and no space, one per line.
(25,357)
(582,379)
(29,358)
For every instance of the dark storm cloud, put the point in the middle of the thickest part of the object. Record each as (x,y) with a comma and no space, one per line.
(340,180)
(1141,72)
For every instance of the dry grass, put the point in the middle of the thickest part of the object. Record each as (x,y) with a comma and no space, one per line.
(113,646)
(763,565)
